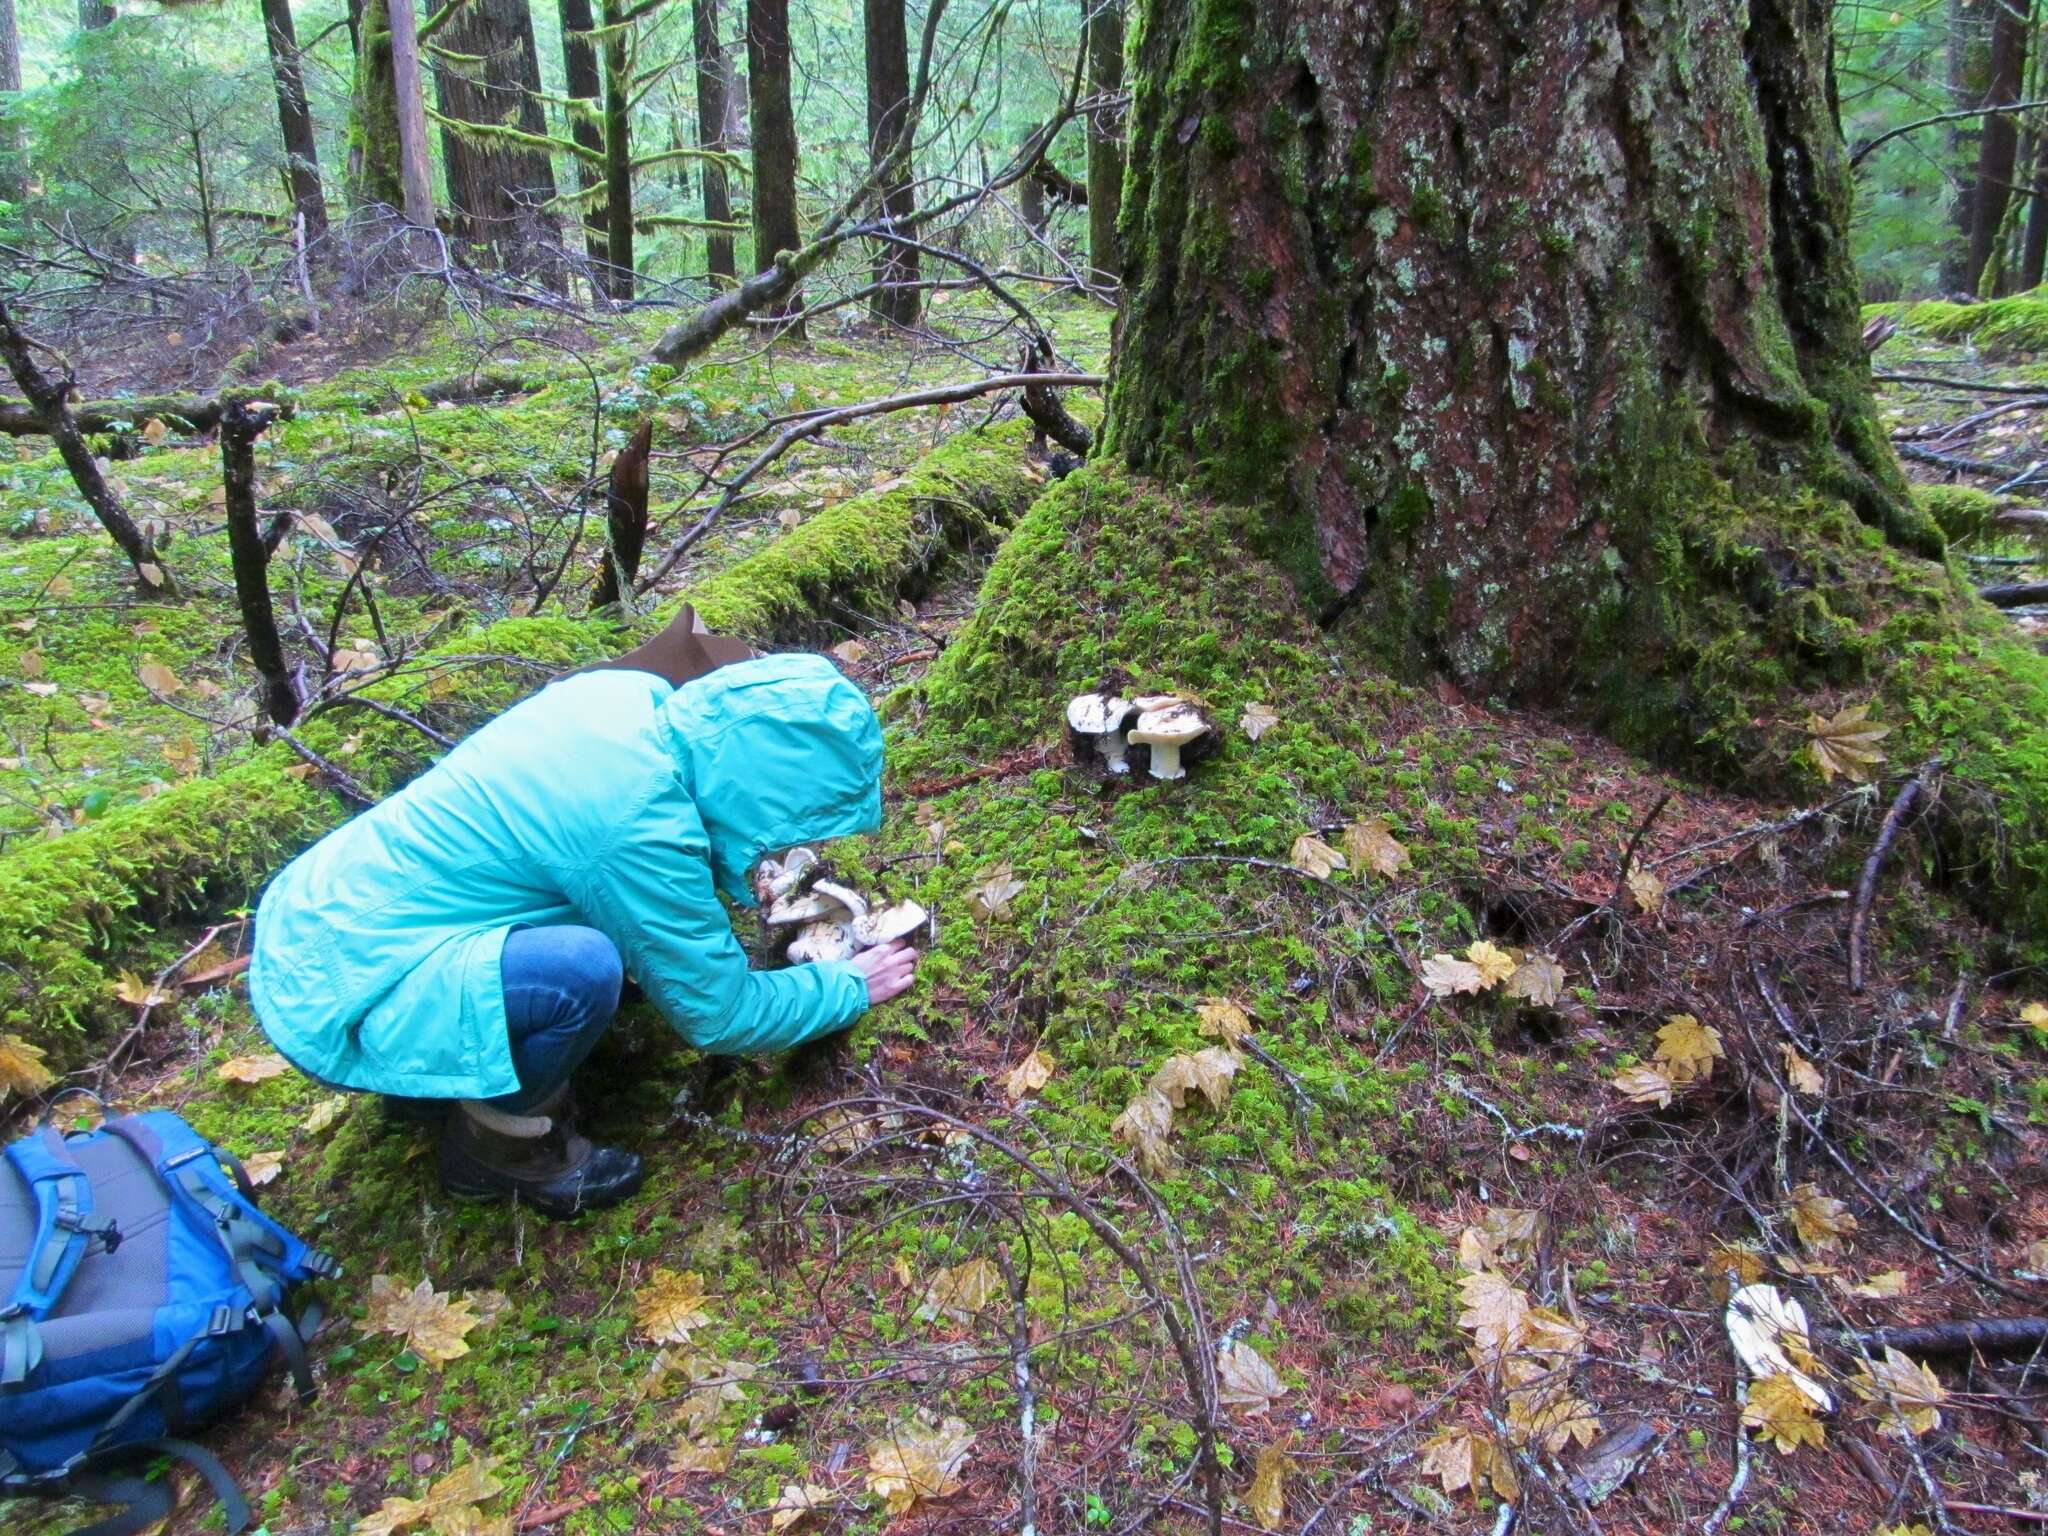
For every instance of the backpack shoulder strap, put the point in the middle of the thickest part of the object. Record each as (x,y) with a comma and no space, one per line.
(65,1226)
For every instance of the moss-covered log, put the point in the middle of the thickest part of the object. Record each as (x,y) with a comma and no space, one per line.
(74,909)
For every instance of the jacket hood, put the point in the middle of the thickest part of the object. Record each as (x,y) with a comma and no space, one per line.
(775,751)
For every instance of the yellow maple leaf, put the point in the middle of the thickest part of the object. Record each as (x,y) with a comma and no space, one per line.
(1688,1049)
(2035,1015)
(1223,1018)
(431,1322)
(323,1115)
(1267,1499)
(1496,1311)
(1782,1414)
(263,1167)
(1737,1260)
(1460,1460)
(158,678)
(995,889)
(798,1500)
(1144,1127)
(1642,1084)
(1550,1414)
(1371,844)
(959,1293)
(1879,1287)
(1444,975)
(1029,1075)
(21,1067)
(1257,720)
(137,993)
(1908,1394)
(251,1069)
(1207,1072)
(918,1459)
(1494,964)
(1539,979)
(701,1456)
(670,1305)
(1844,744)
(1648,892)
(1316,858)
(1802,1074)
(1246,1379)
(449,1508)
(1820,1220)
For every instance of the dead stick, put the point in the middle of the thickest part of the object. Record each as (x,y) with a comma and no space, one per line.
(1963,1336)
(1628,857)
(1955,1507)
(548,1514)
(1866,888)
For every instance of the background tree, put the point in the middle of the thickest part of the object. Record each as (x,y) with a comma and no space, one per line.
(387,125)
(585,97)
(95,14)
(897,298)
(12,177)
(295,118)
(772,123)
(1998,139)
(1105,42)
(487,72)
(714,106)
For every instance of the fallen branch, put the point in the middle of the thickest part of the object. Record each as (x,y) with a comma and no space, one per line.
(1024,760)
(2016,594)
(1866,887)
(1964,1336)
(1965,385)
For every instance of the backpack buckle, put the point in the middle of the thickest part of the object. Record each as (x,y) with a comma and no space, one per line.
(225,1319)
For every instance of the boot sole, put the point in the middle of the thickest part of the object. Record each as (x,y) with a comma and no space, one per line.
(553,1209)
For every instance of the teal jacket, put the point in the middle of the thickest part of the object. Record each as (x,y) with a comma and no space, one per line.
(609,799)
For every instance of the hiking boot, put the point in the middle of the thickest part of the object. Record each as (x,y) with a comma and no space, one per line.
(426,1114)
(537,1158)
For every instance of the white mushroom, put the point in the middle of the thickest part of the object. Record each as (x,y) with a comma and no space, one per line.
(821,942)
(775,878)
(1166,729)
(890,924)
(855,904)
(1100,717)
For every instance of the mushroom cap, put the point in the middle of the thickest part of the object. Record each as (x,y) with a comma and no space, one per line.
(856,904)
(890,924)
(775,878)
(1097,714)
(1148,703)
(821,942)
(1173,725)
(807,907)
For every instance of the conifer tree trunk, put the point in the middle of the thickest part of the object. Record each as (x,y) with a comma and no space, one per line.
(12,172)
(295,119)
(1998,144)
(95,14)
(415,181)
(585,83)
(1105,137)
(888,59)
(618,151)
(773,125)
(1967,64)
(1538,338)
(387,116)
(486,70)
(714,85)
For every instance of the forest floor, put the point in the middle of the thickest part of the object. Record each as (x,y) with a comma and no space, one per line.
(1569,1033)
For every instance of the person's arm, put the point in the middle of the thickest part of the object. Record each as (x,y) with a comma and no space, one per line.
(652,894)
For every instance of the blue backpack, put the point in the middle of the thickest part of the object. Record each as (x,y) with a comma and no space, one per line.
(144,1294)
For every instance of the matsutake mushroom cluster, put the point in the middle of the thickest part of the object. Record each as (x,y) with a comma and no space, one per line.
(812,918)
(1162,732)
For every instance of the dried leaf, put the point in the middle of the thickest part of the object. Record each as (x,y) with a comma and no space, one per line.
(1538,980)
(996,890)
(324,1114)
(671,1305)
(2036,1260)
(1820,1220)
(1207,1072)
(958,1294)
(1494,964)
(181,757)
(1144,1127)
(252,1069)
(41,690)
(1496,1311)
(1802,1074)
(1845,743)
(1737,1260)
(1550,1414)
(21,1067)
(1029,1075)
(2035,1015)
(1257,720)
(1245,1379)
(1267,1499)
(1223,1018)
(1648,892)
(797,1501)
(1316,858)
(1371,845)
(1879,1287)
(449,1509)
(1644,1085)
(918,1460)
(1769,1334)
(1688,1049)
(1908,1393)
(850,651)
(263,1167)
(1444,975)
(701,1456)
(1460,1460)
(789,517)
(1780,1412)
(154,431)
(31,662)
(432,1323)
(158,678)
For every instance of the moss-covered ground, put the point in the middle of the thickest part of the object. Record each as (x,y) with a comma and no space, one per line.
(1314,1214)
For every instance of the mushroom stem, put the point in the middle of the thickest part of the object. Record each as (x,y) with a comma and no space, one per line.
(1113,747)
(1166,760)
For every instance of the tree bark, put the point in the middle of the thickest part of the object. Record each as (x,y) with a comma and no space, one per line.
(1105,138)
(618,152)
(495,188)
(773,125)
(95,14)
(714,86)
(294,118)
(1998,146)
(241,423)
(1966,63)
(387,155)
(585,83)
(1519,331)
(48,395)
(13,173)
(625,518)
(888,60)
(415,183)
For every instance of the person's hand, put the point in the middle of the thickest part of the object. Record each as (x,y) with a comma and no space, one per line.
(889,968)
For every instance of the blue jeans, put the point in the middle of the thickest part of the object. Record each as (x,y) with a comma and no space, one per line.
(561,990)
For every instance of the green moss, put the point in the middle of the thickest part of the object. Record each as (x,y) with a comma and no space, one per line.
(2014,325)
(1961,511)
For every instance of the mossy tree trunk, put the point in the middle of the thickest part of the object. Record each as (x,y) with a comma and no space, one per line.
(1105,136)
(900,302)
(294,117)
(486,70)
(618,150)
(585,84)
(714,88)
(387,116)
(773,121)
(1998,149)
(1541,341)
